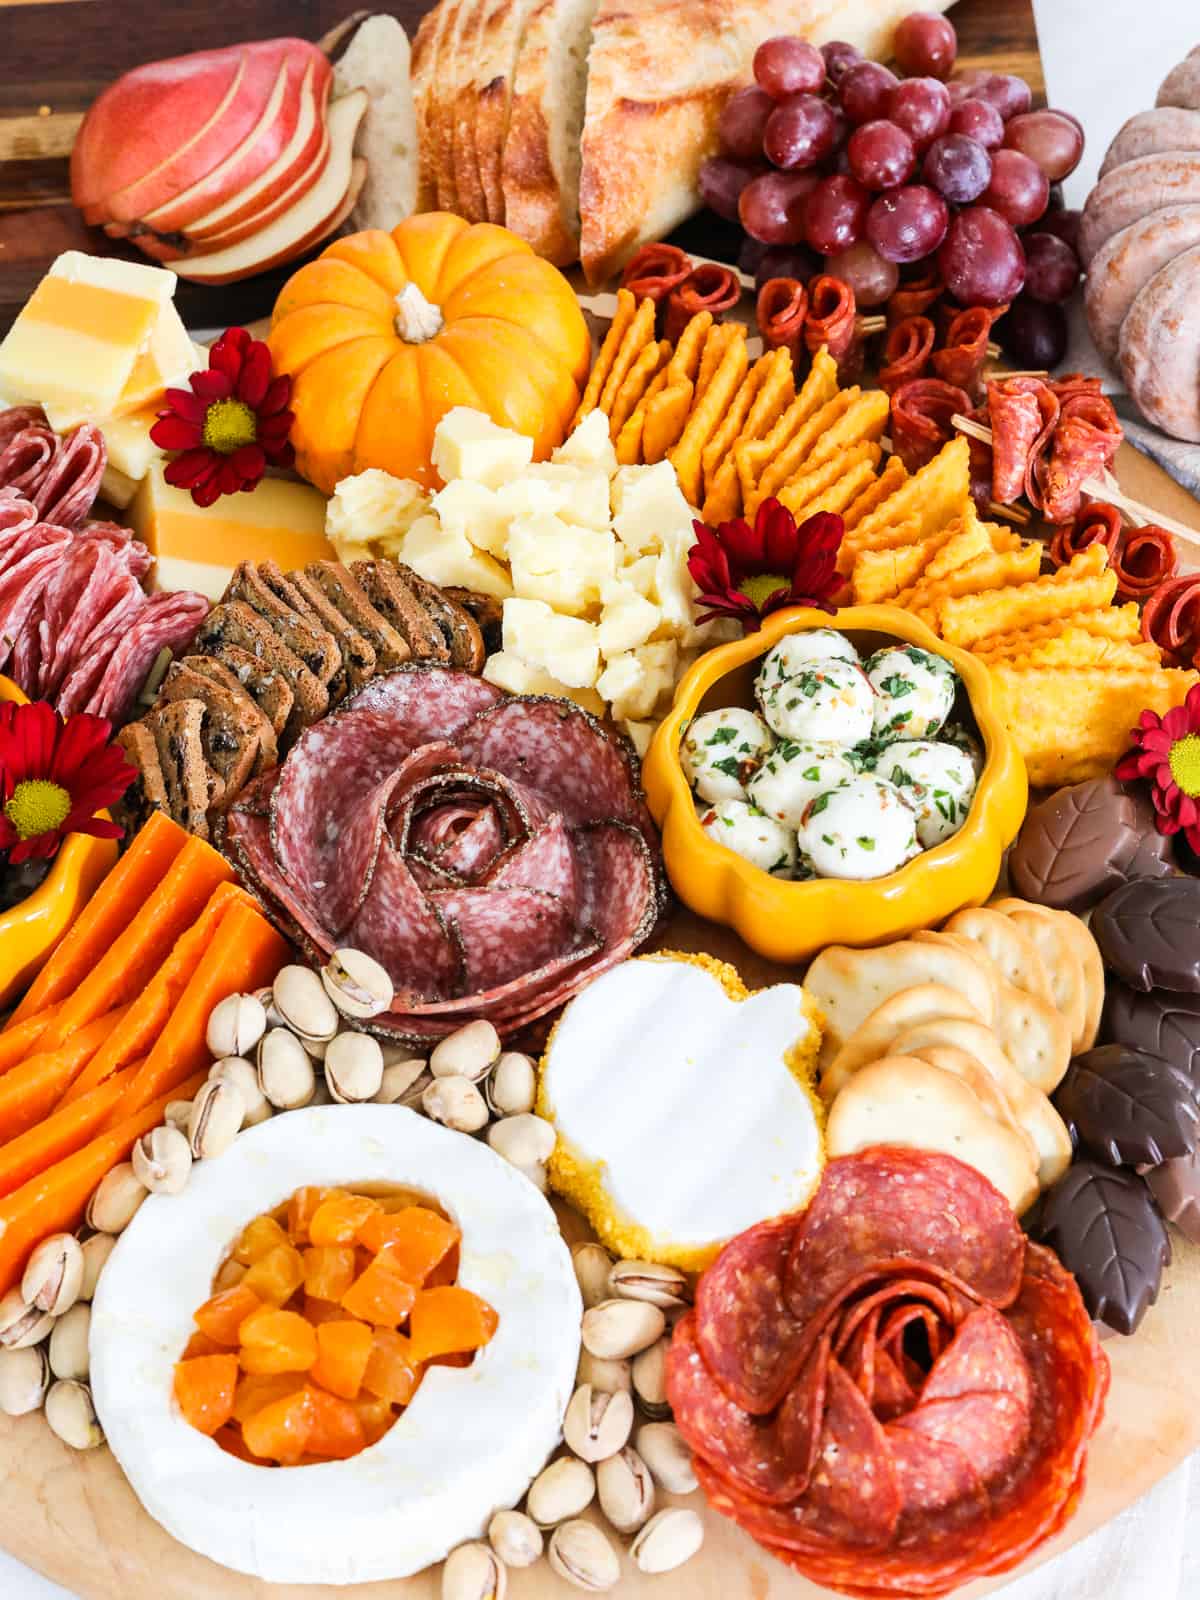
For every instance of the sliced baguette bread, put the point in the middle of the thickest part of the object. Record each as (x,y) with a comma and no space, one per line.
(445,91)
(501,34)
(425,52)
(377,59)
(472,203)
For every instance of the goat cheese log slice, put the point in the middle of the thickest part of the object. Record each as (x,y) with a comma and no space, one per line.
(1160,347)
(1151,132)
(1181,86)
(1123,266)
(1130,191)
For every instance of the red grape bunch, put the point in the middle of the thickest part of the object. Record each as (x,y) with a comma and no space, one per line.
(827,155)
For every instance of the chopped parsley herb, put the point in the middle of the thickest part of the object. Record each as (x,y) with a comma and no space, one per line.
(812,774)
(730,766)
(818,805)
(865,842)
(722,736)
(896,686)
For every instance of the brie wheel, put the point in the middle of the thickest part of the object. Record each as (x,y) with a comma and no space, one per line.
(469,1444)
(683,1106)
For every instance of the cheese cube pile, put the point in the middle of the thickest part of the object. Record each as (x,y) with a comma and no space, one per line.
(588,558)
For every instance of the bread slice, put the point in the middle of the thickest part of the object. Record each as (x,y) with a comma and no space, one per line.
(359,663)
(488,613)
(444,94)
(177,731)
(501,34)
(378,60)
(472,202)
(454,622)
(148,792)
(229,735)
(262,681)
(425,52)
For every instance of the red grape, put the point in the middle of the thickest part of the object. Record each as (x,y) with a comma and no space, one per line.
(966,84)
(865,91)
(836,215)
(978,119)
(801,131)
(958,167)
(1009,94)
(922,108)
(839,58)
(907,224)
(1051,268)
(784,261)
(772,207)
(873,279)
(785,65)
(1050,139)
(1033,335)
(722,181)
(743,122)
(1062,224)
(981,260)
(1019,190)
(881,155)
(925,45)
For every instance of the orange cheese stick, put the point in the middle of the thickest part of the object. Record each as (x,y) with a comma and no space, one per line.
(108,913)
(31,1091)
(54,1202)
(17,1042)
(147,1015)
(123,969)
(62,1133)
(245,953)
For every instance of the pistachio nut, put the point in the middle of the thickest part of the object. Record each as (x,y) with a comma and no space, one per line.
(69,1342)
(235,1025)
(399,1078)
(663,1449)
(647,1280)
(473,1572)
(525,1140)
(353,1068)
(53,1275)
(358,986)
(286,1074)
(592,1264)
(178,1114)
(240,1072)
(300,999)
(597,1424)
(618,1328)
(20,1323)
(515,1538)
(668,1540)
(96,1251)
(512,1087)
(456,1102)
(72,1416)
(216,1119)
(24,1376)
(537,1175)
(266,1000)
(581,1554)
(162,1159)
(650,1379)
(321,1094)
(116,1200)
(625,1490)
(562,1490)
(607,1376)
(469,1052)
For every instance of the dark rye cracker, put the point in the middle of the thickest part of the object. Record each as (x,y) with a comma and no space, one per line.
(265,685)
(257,718)
(296,589)
(455,624)
(233,622)
(149,790)
(387,591)
(178,736)
(314,645)
(232,723)
(343,591)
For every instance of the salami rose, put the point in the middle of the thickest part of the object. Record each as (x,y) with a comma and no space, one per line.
(921,419)
(708,287)
(906,352)
(832,321)
(655,270)
(781,312)
(1171,617)
(1145,561)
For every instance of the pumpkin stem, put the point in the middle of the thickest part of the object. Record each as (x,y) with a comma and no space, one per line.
(417,319)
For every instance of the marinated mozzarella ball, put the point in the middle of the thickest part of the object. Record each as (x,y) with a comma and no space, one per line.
(826,703)
(722,750)
(793,775)
(915,691)
(798,650)
(748,833)
(936,779)
(863,829)
(954,733)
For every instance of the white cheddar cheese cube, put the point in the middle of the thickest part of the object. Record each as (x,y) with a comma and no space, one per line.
(660,661)
(648,506)
(526,497)
(116,488)
(450,559)
(674,589)
(468,444)
(584,493)
(518,677)
(565,647)
(374,508)
(589,445)
(623,685)
(562,565)
(627,620)
(470,510)
(637,575)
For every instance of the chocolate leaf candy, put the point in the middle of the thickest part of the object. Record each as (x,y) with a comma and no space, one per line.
(1160,1023)
(1129,1108)
(1075,845)
(1105,1228)
(1149,933)
(1176,1187)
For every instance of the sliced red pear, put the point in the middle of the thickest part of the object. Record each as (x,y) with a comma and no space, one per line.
(316,214)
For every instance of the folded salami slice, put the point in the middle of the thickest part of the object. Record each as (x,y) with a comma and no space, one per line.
(15,419)
(71,480)
(921,419)
(833,322)
(1022,414)
(17,515)
(655,270)
(906,352)
(708,287)
(914,298)
(960,360)
(1085,441)
(781,312)
(165,621)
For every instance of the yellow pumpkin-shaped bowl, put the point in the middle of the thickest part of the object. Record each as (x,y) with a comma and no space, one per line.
(791,921)
(385,332)
(30,930)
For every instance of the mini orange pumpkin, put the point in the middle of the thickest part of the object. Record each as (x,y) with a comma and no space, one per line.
(385,332)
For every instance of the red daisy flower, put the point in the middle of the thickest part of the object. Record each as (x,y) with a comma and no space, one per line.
(748,572)
(54,777)
(1166,750)
(230,425)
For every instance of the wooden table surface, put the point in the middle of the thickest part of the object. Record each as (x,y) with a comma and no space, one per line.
(59,54)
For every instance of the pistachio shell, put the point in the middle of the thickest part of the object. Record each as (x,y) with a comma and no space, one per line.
(473,1572)
(625,1490)
(592,1264)
(597,1424)
(69,1342)
(356,983)
(468,1052)
(581,1554)
(353,1068)
(72,1416)
(235,1025)
(666,1287)
(300,999)
(96,1252)
(662,1447)
(116,1200)
(217,1114)
(618,1328)
(456,1102)
(286,1074)
(525,1140)
(242,1073)
(178,1114)
(562,1490)
(53,1275)
(668,1540)
(162,1160)
(650,1378)
(401,1079)
(515,1538)
(512,1086)
(608,1376)
(24,1376)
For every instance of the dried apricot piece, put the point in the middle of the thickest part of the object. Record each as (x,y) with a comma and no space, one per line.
(256,1390)
(201,1345)
(416,1239)
(277,1341)
(339,1217)
(258,1239)
(391,1372)
(376,1416)
(380,1296)
(221,1317)
(447,1320)
(280,1432)
(343,1350)
(319,1311)
(229,1274)
(204,1388)
(230,1439)
(276,1276)
(301,1208)
(446,1270)
(329,1270)
(337,1432)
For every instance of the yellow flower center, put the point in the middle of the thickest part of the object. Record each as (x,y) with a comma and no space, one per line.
(228,425)
(761,588)
(1185,763)
(37,806)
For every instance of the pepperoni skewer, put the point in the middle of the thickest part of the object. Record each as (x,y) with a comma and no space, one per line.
(832,322)
(781,312)
(906,352)
(708,287)
(921,419)
(655,271)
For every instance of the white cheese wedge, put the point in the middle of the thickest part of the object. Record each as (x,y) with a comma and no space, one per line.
(373,507)
(472,1439)
(468,510)
(519,677)
(468,444)
(562,565)
(565,647)
(683,1106)
(589,445)
(451,559)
